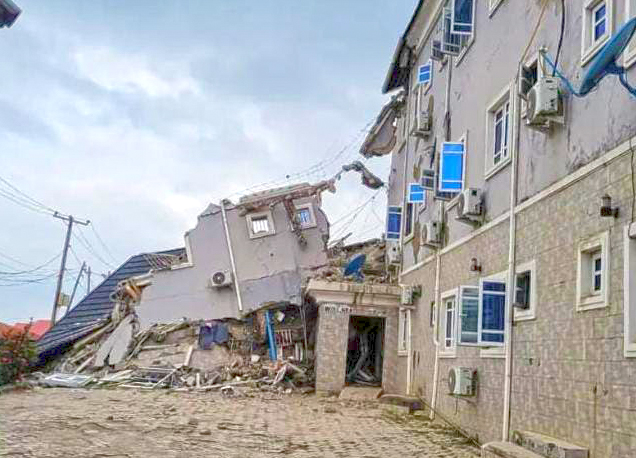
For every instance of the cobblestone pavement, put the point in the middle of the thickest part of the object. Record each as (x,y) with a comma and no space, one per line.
(120,423)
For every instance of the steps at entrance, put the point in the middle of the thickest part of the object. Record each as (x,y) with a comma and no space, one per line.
(360,393)
(506,450)
(407,402)
(533,445)
(547,446)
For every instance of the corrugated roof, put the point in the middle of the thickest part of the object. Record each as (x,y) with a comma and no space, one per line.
(95,308)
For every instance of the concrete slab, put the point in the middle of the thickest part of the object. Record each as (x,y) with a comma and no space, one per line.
(549,446)
(115,348)
(361,393)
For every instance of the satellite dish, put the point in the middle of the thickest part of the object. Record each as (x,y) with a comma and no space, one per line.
(354,267)
(605,63)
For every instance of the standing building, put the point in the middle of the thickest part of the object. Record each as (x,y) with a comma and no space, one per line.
(511,204)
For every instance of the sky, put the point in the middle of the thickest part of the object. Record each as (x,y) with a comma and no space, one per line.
(136,115)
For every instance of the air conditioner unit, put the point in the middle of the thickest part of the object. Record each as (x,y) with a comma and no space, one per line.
(545,104)
(407,295)
(393,253)
(431,233)
(221,279)
(469,204)
(461,381)
(422,114)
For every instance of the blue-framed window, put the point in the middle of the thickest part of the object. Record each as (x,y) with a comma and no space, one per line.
(462,17)
(394,223)
(425,73)
(599,19)
(452,167)
(492,304)
(417,194)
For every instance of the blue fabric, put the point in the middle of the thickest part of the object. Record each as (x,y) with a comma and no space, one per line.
(271,341)
(209,336)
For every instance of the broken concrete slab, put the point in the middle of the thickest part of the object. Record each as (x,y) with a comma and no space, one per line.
(506,450)
(115,348)
(361,393)
(548,446)
(67,380)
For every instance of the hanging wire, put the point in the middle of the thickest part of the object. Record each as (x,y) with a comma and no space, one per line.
(558,53)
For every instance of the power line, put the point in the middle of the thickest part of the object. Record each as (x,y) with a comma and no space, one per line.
(34,269)
(79,236)
(101,242)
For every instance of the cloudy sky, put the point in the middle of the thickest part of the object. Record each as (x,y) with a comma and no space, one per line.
(137,114)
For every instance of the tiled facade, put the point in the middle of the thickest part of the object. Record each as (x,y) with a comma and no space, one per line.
(573,376)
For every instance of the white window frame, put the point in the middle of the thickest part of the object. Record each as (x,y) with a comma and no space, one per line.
(492,6)
(460,308)
(495,352)
(531,312)
(470,39)
(629,56)
(504,97)
(629,294)
(589,46)
(258,215)
(444,351)
(586,298)
(408,237)
(312,215)
(427,86)
(463,139)
(404,322)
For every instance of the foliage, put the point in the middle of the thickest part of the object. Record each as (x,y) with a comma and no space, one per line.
(17,353)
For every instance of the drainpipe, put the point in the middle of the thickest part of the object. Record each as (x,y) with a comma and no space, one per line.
(232,263)
(409,350)
(512,255)
(438,255)
(438,299)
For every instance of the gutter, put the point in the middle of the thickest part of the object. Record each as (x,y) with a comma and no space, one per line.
(231,252)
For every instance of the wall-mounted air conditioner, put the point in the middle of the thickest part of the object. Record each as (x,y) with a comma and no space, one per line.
(470,204)
(432,233)
(407,295)
(461,381)
(221,278)
(545,104)
(422,123)
(393,253)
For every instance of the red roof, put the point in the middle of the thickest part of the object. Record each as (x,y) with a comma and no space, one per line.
(37,330)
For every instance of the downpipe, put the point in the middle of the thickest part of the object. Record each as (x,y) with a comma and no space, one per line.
(237,285)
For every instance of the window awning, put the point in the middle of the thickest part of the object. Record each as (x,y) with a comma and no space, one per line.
(381,138)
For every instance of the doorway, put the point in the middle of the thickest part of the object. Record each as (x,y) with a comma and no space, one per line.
(365,351)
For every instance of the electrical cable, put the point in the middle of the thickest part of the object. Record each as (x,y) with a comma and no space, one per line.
(558,53)
(101,242)
(27,197)
(34,269)
(79,236)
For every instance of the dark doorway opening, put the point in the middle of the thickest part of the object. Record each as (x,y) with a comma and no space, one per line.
(365,351)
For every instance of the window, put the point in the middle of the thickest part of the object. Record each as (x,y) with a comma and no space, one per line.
(260,224)
(394,223)
(499,135)
(462,19)
(425,73)
(492,305)
(417,194)
(592,273)
(459,29)
(469,315)
(629,295)
(452,167)
(408,222)
(630,52)
(447,323)
(403,325)
(597,27)
(525,305)
(492,6)
(305,216)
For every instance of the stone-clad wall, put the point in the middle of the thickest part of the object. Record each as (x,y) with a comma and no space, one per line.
(331,347)
(570,377)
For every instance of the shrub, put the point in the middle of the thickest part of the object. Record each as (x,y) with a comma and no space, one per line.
(17,353)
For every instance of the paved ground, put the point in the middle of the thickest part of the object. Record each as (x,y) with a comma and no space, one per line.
(121,423)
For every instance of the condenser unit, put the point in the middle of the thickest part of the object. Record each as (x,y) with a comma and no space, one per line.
(469,204)
(221,278)
(431,233)
(461,381)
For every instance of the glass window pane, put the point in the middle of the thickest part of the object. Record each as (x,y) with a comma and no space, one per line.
(260,224)
(493,312)
(470,315)
(599,30)
(600,13)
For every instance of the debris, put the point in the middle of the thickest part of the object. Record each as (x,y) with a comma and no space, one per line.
(368,178)
(67,380)
(255,358)
(188,357)
(115,348)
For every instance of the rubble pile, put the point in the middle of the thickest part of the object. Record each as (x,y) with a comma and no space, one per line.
(187,355)
(374,270)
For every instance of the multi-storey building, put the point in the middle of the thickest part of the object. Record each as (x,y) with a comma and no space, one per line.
(512,207)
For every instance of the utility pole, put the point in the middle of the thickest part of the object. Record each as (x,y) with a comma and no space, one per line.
(67,242)
(88,280)
(77,280)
